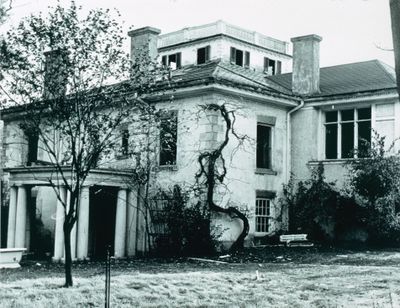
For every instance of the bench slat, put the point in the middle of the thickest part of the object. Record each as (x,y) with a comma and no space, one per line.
(293,237)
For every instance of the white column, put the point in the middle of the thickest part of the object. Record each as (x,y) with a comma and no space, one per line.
(12,213)
(83,225)
(131,223)
(120,224)
(59,232)
(20,221)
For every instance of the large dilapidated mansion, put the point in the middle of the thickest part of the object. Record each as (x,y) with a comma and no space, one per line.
(294,113)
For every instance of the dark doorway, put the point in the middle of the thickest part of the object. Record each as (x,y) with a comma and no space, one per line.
(103,201)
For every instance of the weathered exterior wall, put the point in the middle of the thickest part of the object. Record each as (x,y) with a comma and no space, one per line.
(308,137)
(198,132)
(304,141)
(220,49)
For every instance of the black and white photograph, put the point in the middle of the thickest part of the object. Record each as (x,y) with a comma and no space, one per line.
(187,153)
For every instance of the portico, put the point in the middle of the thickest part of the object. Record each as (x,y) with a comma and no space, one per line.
(23,178)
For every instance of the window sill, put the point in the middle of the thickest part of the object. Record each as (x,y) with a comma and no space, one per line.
(339,161)
(265,171)
(168,168)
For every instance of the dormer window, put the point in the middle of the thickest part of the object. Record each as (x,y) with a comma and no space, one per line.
(272,67)
(237,57)
(172,60)
(203,55)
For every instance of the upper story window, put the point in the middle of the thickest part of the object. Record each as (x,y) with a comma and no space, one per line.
(203,55)
(168,138)
(263,155)
(172,60)
(239,57)
(33,145)
(124,142)
(272,67)
(347,133)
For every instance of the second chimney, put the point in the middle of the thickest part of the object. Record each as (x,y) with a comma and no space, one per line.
(305,75)
(144,42)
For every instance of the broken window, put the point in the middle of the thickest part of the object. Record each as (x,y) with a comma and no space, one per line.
(263,159)
(272,67)
(263,215)
(172,60)
(203,55)
(33,144)
(168,138)
(237,57)
(347,133)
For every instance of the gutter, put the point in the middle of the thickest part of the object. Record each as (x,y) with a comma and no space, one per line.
(288,139)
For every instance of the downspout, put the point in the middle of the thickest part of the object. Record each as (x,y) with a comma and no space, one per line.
(288,140)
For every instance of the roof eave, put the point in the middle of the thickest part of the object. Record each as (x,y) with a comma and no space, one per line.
(372,95)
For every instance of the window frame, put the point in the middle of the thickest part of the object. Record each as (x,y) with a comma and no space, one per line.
(339,123)
(276,67)
(207,53)
(271,140)
(166,61)
(32,155)
(244,58)
(167,116)
(265,218)
(124,150)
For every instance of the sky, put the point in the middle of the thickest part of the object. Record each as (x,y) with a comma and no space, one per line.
(352,30)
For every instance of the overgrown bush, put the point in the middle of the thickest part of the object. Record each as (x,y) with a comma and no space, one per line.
(368,208)
(186,228)
(312,206)
(374,182)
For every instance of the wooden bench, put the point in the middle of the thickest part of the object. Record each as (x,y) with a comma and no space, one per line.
(295,240)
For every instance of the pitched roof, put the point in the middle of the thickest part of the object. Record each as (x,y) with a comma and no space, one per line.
(225,72)
(348,78)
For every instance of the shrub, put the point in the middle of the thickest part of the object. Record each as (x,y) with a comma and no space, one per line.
(374,182)
(186,226)
(312,206)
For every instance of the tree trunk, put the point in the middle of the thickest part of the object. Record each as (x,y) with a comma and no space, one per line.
(231,211)
(395,18)
(68,258)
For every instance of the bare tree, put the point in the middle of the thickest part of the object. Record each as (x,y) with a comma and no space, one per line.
(213,171)
(60,74)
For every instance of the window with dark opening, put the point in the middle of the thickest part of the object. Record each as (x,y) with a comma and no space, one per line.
(125,142)
(203,55)
(247,59)
(263,159)
(347,133)
(272,67)
(33,144)
(172,60)
(237,57)
(168,139)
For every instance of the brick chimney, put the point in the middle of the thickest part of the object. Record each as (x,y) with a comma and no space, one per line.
(305,76)
(55,78)
(144,41)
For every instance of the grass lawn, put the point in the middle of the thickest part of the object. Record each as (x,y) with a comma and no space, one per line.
(289,278)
